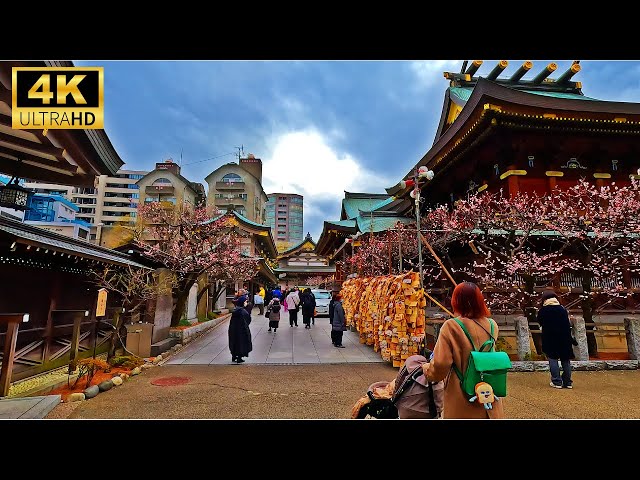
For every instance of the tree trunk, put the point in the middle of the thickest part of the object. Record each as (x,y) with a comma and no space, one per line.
(178,308)
(182,298)
(118,321)
(530,312)
(587,313)
(202,291)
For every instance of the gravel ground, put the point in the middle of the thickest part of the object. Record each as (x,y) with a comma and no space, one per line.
(330,391)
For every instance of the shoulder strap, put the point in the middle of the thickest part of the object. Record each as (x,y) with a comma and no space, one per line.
(491,342)
(466,332)
(473,347)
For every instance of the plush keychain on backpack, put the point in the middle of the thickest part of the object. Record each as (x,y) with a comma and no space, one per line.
(484,395)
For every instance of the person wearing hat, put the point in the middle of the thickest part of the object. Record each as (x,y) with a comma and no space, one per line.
(239,333)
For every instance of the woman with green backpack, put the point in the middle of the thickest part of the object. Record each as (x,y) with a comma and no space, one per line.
(465,358)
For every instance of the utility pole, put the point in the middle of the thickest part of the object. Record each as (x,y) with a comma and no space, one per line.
(417,202)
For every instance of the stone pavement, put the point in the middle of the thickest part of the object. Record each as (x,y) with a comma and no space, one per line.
(329,391)
(28,407)
(289,345)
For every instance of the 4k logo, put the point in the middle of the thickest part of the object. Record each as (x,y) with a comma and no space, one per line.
(57,97)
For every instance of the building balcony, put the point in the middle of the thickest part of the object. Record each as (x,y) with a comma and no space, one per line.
(158,189)
(230,185)
(118,209)
(230,201)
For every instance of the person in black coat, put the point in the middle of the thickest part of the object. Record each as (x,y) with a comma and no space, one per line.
(332,306)
(308,302)
(239,334)
(339,323)
(557,340)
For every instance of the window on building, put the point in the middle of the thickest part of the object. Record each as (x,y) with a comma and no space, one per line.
(231,178)
(243,196)
(162,182)
(282,219)
(92,237)
(135,195)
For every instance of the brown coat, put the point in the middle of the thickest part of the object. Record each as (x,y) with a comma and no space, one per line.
(453,347)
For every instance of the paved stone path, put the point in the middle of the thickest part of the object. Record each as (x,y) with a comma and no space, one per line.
(289,345)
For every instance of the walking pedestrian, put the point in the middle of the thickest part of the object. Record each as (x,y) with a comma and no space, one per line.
(453,349)
(292,301)
(313,314)
(258,300)
(332,305)
(557,340)
(277,293)
(268,296)
(273,313)
(339,322)
(239,333)
(308,302)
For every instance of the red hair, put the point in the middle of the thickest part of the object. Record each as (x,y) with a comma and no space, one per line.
(467,301)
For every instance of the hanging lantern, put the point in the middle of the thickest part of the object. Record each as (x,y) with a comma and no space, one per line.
(13,195)
(407,184)
(424,172)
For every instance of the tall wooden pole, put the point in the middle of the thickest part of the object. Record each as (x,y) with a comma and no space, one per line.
(13,323)
(390,255)
(444,269)
(400,253)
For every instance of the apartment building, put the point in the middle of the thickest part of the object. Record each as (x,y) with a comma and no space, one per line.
(284,214)
(238,187)
(166,184)
(111,201)
(56,214)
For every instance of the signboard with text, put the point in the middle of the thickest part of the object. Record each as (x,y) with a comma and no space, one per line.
(101,308)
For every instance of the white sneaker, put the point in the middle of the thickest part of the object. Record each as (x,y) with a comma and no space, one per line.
(554,385)
(569,386)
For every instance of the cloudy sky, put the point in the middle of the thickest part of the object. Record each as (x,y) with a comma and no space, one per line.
(320,127)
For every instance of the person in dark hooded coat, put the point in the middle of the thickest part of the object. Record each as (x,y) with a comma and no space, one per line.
(557,339)
(239,333)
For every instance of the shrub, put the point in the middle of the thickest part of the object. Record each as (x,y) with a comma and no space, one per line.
(184,323)
(88,367)
(203,318)
(126,361)
(212,315)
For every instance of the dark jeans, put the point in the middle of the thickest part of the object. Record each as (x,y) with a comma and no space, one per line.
(554,369)
(293,317)
(336,337)
(306,319)
(260,307)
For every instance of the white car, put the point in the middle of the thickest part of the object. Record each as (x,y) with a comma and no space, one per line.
(323,297)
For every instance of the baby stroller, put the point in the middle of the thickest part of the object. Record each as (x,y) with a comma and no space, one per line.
(410,395)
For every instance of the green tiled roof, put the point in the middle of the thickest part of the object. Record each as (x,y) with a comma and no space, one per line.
(463,94)
(240,217)
(380,205)
(352,206)
(378,224)
(246,220)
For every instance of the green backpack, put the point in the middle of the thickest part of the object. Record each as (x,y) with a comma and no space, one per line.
(484,366)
